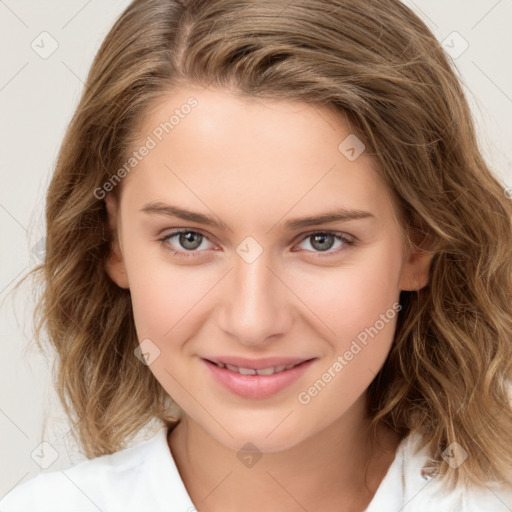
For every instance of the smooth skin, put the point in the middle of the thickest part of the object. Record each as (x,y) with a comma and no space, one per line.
(255,164)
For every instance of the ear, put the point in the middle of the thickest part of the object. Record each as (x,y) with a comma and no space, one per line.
(416,267)
(114,263)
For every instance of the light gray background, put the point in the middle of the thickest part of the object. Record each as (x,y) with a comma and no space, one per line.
(37,98)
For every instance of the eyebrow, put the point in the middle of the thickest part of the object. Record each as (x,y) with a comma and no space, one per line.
(338,215)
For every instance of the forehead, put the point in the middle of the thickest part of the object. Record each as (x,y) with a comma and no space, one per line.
(256,154)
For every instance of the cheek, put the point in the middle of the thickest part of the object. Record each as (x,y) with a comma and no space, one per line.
(359,304)
(165,297)
(168,305)
(168,308)
(352,297)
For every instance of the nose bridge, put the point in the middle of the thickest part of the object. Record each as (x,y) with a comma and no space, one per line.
(255,308)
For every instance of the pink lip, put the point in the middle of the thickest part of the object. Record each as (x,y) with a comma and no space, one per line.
(257,386)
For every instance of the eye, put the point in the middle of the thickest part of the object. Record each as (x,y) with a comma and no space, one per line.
(324,241)
(187,241)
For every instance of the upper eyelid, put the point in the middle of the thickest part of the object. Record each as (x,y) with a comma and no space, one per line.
(328,231)
(178,231)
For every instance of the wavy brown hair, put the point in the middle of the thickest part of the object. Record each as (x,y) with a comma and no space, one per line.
(376,63)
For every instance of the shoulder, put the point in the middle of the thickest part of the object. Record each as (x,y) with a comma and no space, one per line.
(424,493)
(141,476)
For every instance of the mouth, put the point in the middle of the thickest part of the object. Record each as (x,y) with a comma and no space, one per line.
(256,379)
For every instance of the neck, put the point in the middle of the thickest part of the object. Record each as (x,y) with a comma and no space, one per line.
(319,473)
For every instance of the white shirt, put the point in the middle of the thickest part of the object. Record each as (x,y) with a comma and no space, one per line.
(144,478)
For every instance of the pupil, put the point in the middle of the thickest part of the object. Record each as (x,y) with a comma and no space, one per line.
(320,240)
(187,240)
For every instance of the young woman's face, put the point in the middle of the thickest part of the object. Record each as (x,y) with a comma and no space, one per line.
(254,281)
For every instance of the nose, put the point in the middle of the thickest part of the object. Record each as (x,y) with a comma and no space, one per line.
(257,306)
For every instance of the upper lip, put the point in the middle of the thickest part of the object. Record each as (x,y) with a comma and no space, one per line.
(257,364)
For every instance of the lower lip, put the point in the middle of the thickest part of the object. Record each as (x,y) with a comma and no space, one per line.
(256,386)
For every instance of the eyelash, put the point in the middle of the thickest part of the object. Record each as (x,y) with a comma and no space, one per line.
(348,242)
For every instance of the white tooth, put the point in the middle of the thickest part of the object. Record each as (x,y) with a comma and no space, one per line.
(265,371)
(246,371)
(252,371)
